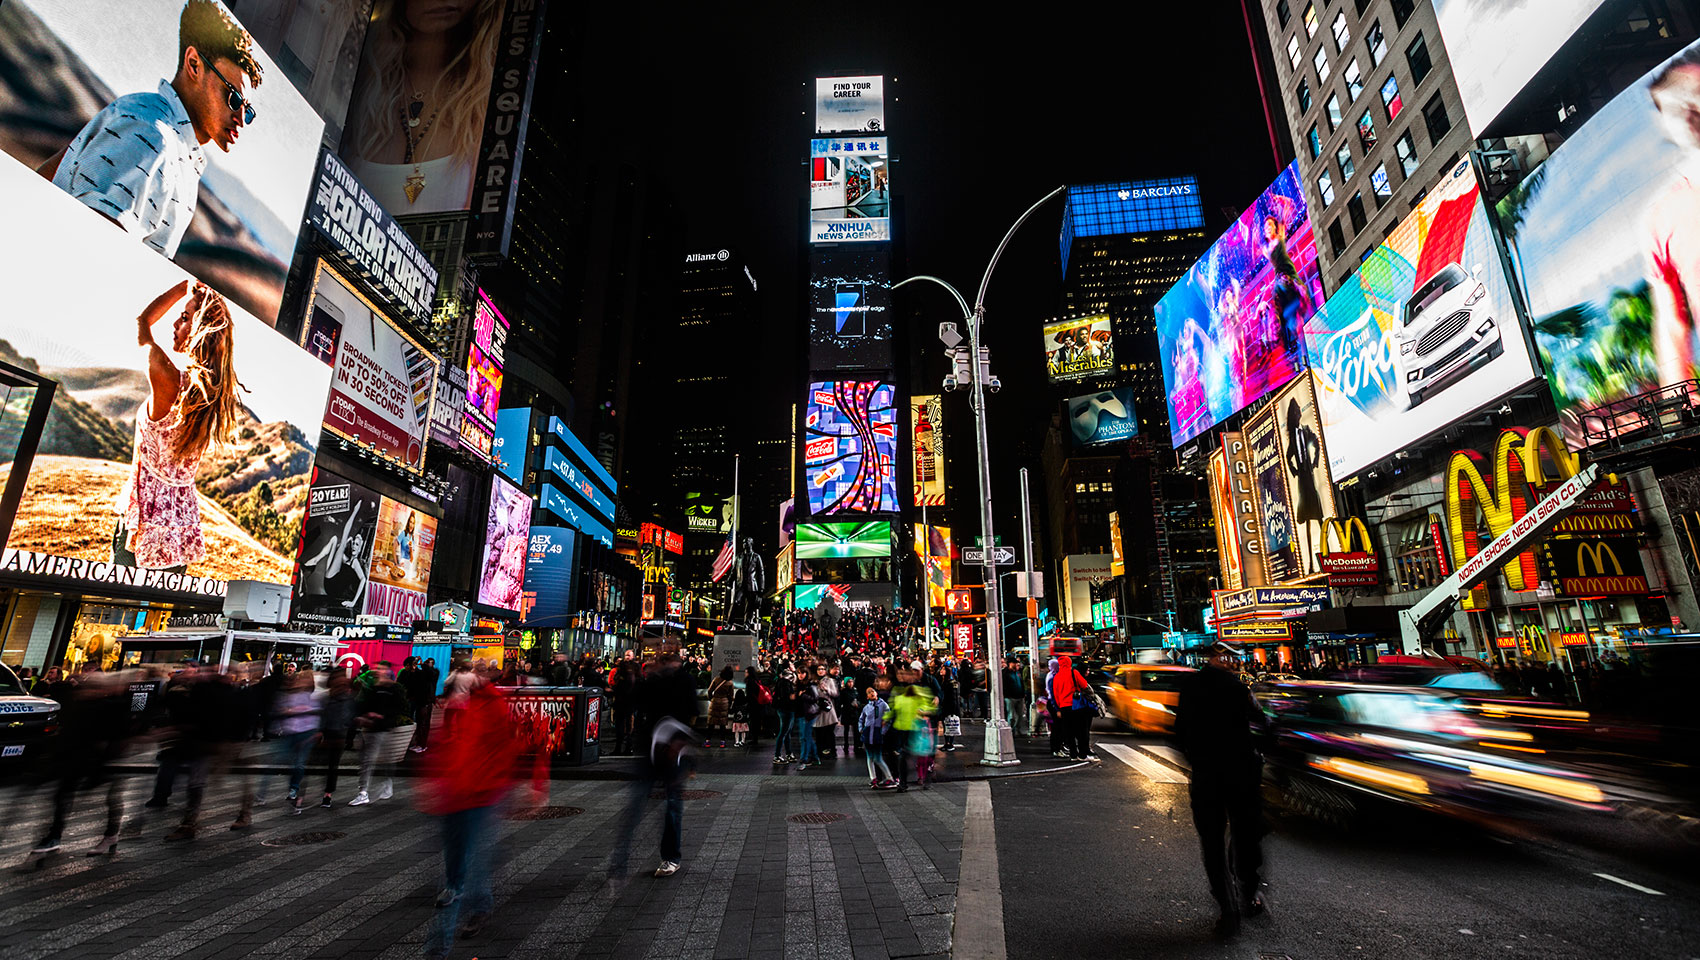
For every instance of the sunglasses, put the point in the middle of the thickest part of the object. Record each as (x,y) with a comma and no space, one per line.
(233,97)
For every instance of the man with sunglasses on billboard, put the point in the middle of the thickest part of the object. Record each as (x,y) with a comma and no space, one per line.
(139,161)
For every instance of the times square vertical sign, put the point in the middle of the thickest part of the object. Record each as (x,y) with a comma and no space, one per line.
(495,187)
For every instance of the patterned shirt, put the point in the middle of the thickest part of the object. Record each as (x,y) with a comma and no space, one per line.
(139,163)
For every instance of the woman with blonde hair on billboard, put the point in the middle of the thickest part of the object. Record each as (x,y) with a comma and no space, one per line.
(417,114)
(187,411)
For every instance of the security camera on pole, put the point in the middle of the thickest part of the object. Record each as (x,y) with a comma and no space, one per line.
(971,368)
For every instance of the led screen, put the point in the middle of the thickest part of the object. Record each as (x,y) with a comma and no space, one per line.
(1232,329)
(1603,236)
(336,551)
(381,379)
(93,104)
(507,537)
(1079,349)
(316,45)
(849,190)
(1128,207)
(932,545)
(403,545)
(850,447)
(218,489)
(850,307)
(848,596)
(1103,417)
(549,577)
(1424,333)
(831,541)
(1491,71)
(484,376)
(849,104)
(926,433)
(413,140)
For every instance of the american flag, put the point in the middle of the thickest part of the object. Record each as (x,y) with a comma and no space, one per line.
(723,561)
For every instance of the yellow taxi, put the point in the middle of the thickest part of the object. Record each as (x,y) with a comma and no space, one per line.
(1143,695)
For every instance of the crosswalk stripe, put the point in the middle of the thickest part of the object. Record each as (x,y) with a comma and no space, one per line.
(1142,763)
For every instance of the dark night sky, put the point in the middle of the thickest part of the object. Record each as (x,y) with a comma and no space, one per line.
(992,112)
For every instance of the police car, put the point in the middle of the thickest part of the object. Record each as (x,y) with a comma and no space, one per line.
(25,721)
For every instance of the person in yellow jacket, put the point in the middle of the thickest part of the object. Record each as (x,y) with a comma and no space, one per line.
(911,704)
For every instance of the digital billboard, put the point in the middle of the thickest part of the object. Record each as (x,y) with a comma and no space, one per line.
(1269,493)
(370,240)
(381,378)
(850,307)
(548,597)
(1490,71)
(1232,329)
(1080,348)
(1424,333)
(833,541)
(336,551)
(926,431)
(316,46)
(849,189)
(850,447)
(403,544)
(1103,417)
(849,596)
(1304,462)
(484,361)
(110,101)
(507,538)
(512,442)
(849,104)
(1129,207)
(1602,238)
(181,436)
(932,545)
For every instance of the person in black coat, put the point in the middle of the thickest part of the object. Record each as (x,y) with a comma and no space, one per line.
(1214,723)
(666,703)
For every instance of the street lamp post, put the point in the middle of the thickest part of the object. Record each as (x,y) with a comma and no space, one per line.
(1000,742)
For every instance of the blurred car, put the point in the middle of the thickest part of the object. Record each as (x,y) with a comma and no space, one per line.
(1143,696)
(26,722)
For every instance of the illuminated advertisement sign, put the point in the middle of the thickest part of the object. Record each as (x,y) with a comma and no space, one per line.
(962,635)
(850,447)
(849,104)
(336,551)
(1269,492)
(381,378)
(657,535)
(849,190)
(1286,603)
(831,541)
(1227,531)
(1129,207)
(227,209)
(1490,71)
(1118,563)
(707,514)
(369,239)
(850,596)
(575,516)
(1242,507)
(448,409)
(405,540)
(588,463)
(932,544)
(850,307)
(1232,329)
(1104,614)
(507,537)
(1347,567)
(495,185)
(1080,348)
(926,429)
(1103,417)
(1424,333)
(511,442)
(1597,567)
(1291,480)
(484,376)
(1597,235)
(138,348)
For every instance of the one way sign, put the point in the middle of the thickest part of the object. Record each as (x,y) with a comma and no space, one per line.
(1001,556)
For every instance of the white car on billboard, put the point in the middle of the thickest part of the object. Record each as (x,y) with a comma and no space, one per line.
(1446,330)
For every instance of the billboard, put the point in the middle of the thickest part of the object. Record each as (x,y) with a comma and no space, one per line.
(1304,463)
(448,410)
(507,538)
(403,543)
(833,541)
(1080,348)
(87,107)
(370,240)
(484,361)
(1423,334)
(1103,417)
(1129,207)
(548,596)
(932,544)
(1227,532)
(850,447)
(512,441)
(849,189)
(850,307)
(1490,71)
(850,596)
(336,551)
(496,181)
(1599,236)
(849,104)
(414,140)
(1232,329)
(1269,494)
(381,378)
(316,46)
(189,452)
(926,430)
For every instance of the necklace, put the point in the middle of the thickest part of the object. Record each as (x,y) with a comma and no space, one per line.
(415,132)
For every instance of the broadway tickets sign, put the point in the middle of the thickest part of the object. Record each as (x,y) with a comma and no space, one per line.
(369,240)
(25,562)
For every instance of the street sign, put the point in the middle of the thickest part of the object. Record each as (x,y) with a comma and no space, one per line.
(997,540)
(976,556)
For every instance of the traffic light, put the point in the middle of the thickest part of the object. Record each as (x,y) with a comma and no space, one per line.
(959,600)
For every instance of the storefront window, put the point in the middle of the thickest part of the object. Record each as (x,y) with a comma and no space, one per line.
(1415,566)
(99,628)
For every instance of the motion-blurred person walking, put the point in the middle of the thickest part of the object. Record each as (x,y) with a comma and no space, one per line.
(377,713)
(666,702)
(336,718)
(220,714)
(94,725)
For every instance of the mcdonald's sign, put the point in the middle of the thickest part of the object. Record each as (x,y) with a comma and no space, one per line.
(1347,567)
(1502,494)
(1597,567)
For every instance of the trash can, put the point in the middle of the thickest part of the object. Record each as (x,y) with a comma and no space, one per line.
(563,723)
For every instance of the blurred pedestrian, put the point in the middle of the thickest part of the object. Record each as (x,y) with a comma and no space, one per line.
(950,710)
(1072,698)
(666,700)
(336,718)
(1214,721)
(826,717)
(377,713)
(785,705)
(720,691)
(870,731)
(739,717)
(295,719)
(1015,696)
(1053,717)
(909,715)
(220,714)
(94,727)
